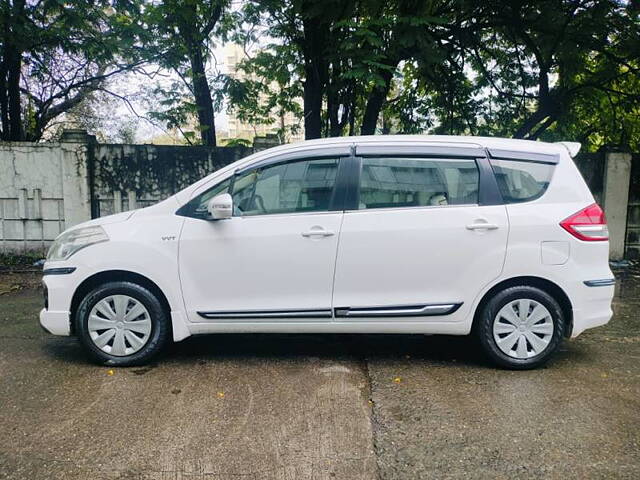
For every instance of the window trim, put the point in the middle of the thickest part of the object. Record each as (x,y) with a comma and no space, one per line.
(523,156)
(425,150)
(333,152)
(489,193)
(345,195)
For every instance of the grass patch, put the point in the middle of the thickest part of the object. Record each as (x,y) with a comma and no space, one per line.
(21,260)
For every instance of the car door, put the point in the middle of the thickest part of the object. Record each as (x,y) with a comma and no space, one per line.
(425,235)
(275,258)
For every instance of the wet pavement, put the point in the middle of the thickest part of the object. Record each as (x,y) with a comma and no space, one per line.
(317,406)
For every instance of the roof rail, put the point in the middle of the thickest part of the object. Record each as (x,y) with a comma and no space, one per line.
(572,147)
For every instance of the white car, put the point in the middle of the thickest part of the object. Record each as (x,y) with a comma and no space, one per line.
(383,234)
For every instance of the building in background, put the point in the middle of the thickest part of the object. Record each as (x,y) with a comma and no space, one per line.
(236,128)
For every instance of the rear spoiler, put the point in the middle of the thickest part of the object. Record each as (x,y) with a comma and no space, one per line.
(572,147)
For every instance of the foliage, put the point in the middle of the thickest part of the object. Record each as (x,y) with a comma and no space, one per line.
(98,115)
(178,36)
(268,91)
(238,142)
(10,261)
(508,68)
(54,54)
(550,69)
(536,69)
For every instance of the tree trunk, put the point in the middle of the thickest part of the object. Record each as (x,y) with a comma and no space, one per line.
(316,73)
(14,64)
(352,118)
(312,104)
(13,57)
(4,100)
(333,105)
(532,121)
(377,97)
(202,94)
(4,106)
(545,108)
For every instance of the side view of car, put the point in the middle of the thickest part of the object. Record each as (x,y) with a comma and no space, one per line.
(384,234)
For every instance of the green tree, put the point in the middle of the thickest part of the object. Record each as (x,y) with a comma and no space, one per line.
(538,67)
(179,38)
(305,28)
(54,54)
(268,91)
(526,69)
(347,52)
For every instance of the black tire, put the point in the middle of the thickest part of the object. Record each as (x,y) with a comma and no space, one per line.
(160,324)
(483,327)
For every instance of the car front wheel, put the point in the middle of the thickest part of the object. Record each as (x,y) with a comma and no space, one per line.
(122,324)
(521,327)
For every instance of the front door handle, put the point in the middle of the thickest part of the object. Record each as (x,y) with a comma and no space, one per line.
(482,226)
(317,232)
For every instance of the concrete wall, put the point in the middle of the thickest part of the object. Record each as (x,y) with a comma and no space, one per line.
(615,198)
(131,176)
(611,180)
(632,251)
(43,190)
(48,187)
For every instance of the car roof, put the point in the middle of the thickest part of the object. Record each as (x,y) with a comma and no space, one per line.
(451,140)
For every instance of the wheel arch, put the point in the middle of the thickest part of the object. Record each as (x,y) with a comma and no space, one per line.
(100,278)
(543,284)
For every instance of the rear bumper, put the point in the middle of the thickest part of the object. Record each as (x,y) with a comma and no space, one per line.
(56,323)
(592,308)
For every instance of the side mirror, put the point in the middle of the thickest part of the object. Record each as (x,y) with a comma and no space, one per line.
(220,207)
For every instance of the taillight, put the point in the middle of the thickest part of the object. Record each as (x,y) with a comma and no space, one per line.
(588,224)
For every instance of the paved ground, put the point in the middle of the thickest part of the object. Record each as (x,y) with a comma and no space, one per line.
(316,406)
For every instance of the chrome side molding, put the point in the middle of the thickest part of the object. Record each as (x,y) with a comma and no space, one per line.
(423,310)
(604,282)
(398,310)
(319,313)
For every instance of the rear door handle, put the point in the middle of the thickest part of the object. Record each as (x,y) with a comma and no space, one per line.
(317,233)
(482,226)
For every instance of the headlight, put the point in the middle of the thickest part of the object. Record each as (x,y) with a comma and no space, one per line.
(70,242)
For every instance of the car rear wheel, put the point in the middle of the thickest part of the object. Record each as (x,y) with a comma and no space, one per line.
(122,324)
(520,327)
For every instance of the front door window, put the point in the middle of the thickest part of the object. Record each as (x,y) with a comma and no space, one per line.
(303,186)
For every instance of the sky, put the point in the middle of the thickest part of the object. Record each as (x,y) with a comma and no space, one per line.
(130,85)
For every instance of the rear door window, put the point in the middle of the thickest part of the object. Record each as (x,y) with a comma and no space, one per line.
(417,182)
(521,181)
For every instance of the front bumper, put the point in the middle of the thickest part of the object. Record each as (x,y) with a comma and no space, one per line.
(56,323)
(59,282)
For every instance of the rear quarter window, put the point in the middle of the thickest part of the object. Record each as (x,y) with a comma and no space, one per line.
(521,181)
